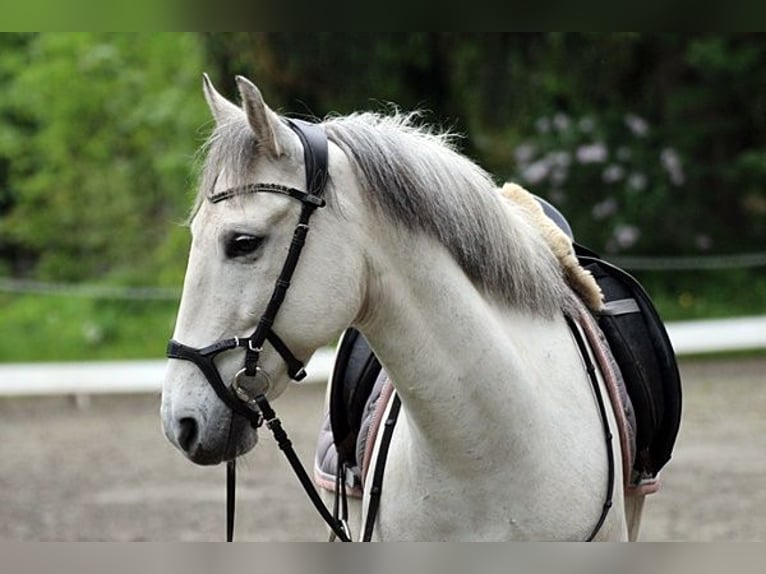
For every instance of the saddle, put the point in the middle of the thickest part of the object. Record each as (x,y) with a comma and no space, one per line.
(636,338)
(642,349)
(359,393)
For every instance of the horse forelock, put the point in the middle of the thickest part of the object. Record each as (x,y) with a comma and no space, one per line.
(231,147)
(416,178)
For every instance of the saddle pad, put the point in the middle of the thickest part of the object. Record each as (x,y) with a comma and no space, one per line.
(326,458)
(634,484)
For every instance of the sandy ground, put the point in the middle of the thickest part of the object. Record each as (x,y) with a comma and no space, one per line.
(105,472)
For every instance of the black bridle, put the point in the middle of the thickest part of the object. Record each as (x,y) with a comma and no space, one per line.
(247,394)
(251,380)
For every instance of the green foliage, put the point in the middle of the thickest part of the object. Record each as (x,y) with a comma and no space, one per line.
(617,166)
(649,143)
(705,294)
(700,166)
(62,328)
(99,133)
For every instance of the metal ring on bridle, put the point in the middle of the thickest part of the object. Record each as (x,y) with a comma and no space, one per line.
(248,387)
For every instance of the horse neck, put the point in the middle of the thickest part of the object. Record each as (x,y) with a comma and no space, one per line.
(455,356)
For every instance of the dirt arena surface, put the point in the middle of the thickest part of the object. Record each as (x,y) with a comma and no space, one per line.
(105,472)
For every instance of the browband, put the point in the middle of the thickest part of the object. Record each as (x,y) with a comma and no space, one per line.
(269,188)
(315,156)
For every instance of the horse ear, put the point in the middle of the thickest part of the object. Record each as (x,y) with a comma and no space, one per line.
(222,109)
(263,121)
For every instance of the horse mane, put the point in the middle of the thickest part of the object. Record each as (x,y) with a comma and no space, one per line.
(416,178)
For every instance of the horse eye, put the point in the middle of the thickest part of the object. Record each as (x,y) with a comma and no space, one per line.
(242,244)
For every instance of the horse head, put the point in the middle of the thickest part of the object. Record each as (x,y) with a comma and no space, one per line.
(252,200)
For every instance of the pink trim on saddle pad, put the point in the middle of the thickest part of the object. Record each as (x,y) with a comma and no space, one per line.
(325,460)
(377,416)
(326,463)
(632,485)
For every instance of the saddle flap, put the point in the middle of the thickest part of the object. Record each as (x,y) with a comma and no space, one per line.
(645,355)
(356,371)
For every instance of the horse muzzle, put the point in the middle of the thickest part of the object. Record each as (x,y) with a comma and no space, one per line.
(196,422)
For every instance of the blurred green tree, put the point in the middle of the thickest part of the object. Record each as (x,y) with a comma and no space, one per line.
(97,137)
(650,143)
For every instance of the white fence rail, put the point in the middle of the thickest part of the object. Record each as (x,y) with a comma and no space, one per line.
(104,377)
(109,377)
(717,335)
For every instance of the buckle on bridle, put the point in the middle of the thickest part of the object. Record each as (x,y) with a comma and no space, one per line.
(252,348)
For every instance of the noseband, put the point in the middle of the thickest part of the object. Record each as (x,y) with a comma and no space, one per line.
(251,381)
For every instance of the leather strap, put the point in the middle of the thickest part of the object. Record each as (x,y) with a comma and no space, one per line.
(266,188)
(204,359)
(286,446)
(231,487)
(593,377)
(315,154)
(281,286)
(376,488)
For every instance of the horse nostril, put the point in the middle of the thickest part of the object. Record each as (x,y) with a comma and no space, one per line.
(187,434)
